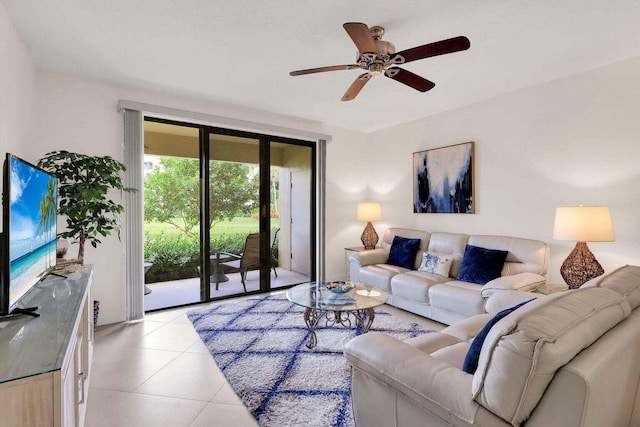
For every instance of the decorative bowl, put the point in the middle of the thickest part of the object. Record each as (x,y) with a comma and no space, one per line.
(340,287)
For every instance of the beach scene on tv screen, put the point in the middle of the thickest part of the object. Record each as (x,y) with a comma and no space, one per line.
(32,221)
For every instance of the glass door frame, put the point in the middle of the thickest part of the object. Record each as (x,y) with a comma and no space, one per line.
(264,210)
(265,140)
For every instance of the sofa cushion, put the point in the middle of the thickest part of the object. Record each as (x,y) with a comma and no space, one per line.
(467,329)
(403,252)
(462,298)
(380,275)
(481,265)
(473,355)
(449,243)
(432,341)
(414,285)
(454,354)
(523,351)
(503,300)
(435,263)
(516,282)
(525,255)
(625,280)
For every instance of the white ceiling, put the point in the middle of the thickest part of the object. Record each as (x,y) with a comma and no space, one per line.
(240,52)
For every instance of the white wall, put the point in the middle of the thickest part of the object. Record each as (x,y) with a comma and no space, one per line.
(347,177)
(17,91)
(575,141)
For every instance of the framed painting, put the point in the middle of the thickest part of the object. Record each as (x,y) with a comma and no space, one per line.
(443,180)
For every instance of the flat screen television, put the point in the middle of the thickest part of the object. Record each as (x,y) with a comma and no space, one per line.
(29,218)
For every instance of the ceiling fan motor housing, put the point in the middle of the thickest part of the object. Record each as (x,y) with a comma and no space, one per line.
(376,63)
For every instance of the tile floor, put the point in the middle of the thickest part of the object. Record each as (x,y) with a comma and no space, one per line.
(157,372)
(187,291)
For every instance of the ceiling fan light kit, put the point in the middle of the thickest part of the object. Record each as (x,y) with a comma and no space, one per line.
(378,56)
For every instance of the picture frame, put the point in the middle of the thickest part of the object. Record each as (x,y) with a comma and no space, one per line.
(443,179)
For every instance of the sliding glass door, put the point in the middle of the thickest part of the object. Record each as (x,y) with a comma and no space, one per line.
(172,200)
(293,168)
(226,213)
(233,220)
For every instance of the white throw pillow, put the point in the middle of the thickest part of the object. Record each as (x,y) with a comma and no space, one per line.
(439,264)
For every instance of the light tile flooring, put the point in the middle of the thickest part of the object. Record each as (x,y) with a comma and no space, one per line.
(187,291)
(157,372)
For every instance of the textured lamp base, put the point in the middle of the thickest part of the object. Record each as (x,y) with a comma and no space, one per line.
(580,266)
(369,236)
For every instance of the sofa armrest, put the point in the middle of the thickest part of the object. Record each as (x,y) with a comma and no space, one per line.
(516,282)
(441,389)
(369,257)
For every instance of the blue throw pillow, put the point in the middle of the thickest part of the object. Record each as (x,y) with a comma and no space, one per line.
(403,252)
(481,265)
(473,355)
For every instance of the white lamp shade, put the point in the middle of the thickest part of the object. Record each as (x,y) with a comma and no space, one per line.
(369,212)
(583,224)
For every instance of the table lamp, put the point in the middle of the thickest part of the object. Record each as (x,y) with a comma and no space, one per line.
(369,212)
(582,224)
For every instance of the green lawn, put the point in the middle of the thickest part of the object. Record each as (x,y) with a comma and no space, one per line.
(241,225)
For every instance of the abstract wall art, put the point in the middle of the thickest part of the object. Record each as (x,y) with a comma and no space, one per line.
(443,180)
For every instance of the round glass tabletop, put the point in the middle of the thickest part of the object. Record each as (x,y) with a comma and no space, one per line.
(350,296)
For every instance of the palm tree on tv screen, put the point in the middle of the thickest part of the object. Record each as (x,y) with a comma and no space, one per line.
(48,213)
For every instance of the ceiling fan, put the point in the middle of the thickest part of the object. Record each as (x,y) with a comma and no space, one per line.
(378,57)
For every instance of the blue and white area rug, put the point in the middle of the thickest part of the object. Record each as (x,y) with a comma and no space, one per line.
(259,344)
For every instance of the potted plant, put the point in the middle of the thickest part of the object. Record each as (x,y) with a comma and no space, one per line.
(84,183)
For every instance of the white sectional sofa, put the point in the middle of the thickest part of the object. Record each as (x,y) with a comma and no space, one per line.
(568,359)
(446,299)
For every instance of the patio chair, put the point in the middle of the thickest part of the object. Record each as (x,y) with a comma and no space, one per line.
(249,259)
(272,244)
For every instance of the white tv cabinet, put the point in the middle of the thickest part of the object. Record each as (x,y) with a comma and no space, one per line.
(45,362)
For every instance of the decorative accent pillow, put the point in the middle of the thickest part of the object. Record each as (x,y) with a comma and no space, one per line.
(439,264)
(481,265)
(403,252)
(473,354)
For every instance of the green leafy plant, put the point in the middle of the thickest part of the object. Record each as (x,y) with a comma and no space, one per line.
(173,258)
(84,182)
(176,251)
(177,257)
(172,193)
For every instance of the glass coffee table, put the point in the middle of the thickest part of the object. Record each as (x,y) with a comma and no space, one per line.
(336,308)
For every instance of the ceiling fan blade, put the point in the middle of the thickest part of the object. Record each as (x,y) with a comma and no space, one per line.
(409,78)
(323,69)
(356,87)
(455,44)
(361,37)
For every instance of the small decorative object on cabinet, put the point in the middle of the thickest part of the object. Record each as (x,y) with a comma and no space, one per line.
(62,246)
(46,362)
